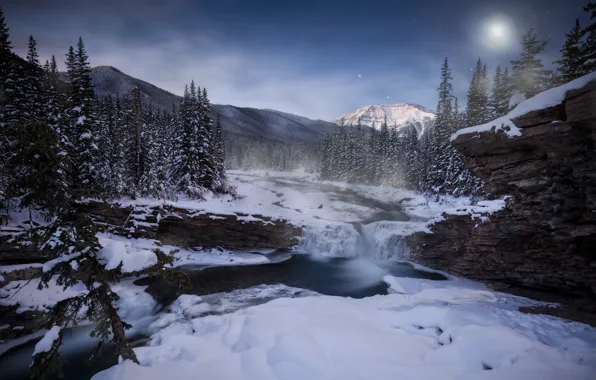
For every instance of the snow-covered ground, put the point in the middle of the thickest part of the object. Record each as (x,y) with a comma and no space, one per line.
(426,330)
(331,213)
(543,100)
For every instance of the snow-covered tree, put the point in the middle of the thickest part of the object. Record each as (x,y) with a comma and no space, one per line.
(83,123)
(571,64)
(501,93)
(478,109)
(529,75)
(589,45)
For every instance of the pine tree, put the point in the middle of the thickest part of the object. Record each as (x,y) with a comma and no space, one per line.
(589,46)
(501,93)
(412,158)
(571,64)
(207,170)
(529,75)
(134,123)
(218,154)
(186,167)
(13,99)
(34,110)
(37,158)
(82,116)
(438,138)
(478,110)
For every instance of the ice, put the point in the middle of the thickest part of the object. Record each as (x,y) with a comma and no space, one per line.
(546,99)
(334,239)
(445,331)
(384,240)
(45,344)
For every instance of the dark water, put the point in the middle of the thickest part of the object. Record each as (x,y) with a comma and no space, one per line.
(346,277)
(76,350)
(355,278)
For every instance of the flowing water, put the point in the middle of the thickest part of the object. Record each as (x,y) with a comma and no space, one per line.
(357,277)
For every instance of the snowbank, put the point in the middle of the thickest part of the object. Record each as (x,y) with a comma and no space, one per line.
(430,333)
(27,296)
(45,344)
(546,99)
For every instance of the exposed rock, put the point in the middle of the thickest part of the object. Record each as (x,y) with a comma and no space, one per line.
(546,236)
(239,231)
(16,324)
(191,228)
(22,273)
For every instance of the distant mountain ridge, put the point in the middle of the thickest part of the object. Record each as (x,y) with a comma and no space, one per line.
(266,123)
(397,116)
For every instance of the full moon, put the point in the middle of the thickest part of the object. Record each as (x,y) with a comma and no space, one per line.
(496,31)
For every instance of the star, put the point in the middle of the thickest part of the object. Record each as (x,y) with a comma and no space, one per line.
(359,75)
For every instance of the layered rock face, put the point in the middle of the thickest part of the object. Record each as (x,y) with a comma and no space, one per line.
(546,236)
(192,228)
(173,226)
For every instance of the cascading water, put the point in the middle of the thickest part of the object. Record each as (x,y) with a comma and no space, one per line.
(382,240)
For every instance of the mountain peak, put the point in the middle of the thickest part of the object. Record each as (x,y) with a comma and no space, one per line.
(398,116)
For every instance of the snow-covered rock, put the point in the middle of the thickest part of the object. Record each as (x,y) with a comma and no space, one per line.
(398,116)
(428,332)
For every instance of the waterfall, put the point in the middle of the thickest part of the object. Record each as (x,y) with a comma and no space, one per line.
(381,240)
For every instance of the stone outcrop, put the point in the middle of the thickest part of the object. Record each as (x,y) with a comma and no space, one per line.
(192,228)
(174,226)
(545,238)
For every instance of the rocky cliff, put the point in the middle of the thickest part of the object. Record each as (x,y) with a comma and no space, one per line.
(545,238)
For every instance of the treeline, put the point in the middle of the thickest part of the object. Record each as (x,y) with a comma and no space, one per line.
(59,142)
(427,162)
(250,152)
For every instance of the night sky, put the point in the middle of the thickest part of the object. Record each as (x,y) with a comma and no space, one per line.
(318,59)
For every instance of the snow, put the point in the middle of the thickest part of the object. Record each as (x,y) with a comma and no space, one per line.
(328,212)
(445,331)
(481,210)
(516,99)
(397,115)
(138,254)
(45,344)
(26,295)
(49,265)
(546,99)
(18,267)
(119,253)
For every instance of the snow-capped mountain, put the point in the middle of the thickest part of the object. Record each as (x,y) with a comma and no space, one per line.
(398,116)
(270,124)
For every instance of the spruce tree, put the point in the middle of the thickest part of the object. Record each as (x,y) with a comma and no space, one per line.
(135,122)
(34,110)
(83,124)
(588,47)
(438,138)
(207,170)
(186,169)
(478,109)
(529,75)
(571,64)
(220,180)
(501,93)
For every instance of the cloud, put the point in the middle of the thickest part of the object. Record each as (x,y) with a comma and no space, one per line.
(255,80)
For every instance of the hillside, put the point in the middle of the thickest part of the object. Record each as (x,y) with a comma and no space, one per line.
(267,123)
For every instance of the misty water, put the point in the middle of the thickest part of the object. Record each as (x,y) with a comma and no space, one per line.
(347,277)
